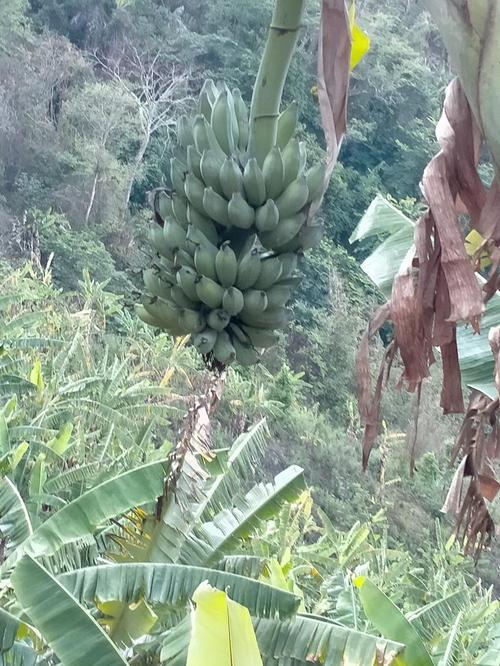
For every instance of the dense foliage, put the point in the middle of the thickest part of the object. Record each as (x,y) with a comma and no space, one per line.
(89,94)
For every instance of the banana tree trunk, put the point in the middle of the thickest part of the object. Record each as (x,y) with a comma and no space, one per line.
(268,88)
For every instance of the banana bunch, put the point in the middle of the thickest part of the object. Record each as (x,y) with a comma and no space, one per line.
(229,232)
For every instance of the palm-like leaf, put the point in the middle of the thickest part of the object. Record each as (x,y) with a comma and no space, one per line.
(93,509)
(173,584)
(212,540)
(307,639)
(15,524)
(68,628)
(9,625)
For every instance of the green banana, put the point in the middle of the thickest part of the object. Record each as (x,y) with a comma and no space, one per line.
(155,285)
(273,170)
(226,265)
(255,302)
(267,216)
(241,113)
(270,272)
(293,198)
(147,318)
(233,301)
(253,183)
(204,261)
(270,318)
(222,122)
(179,208)
(248,269)
(184,131)
(223,349)
(210,165)
(186,279)
(165,313)
(231,178)
(315,179)
(192,321)
(195,189)
(183,258)
(291,162)
(159,243)
(174,234)
(289,263)
(278,295)
(284,232)
(205,225)
(239,212)
(218,319)
(163,206)
(245,354)
(193,161)
(287,124)
(237,331)
(209,292)
(200,137)
(215,206)
(206,99)
(180,299)
(195,237)
(205,340)
(177,175)
(302,156)
(261,338)
(309,236)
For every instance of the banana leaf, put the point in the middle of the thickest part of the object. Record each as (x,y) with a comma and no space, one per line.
(68,628)
(214,539)
(173,584)
(222,631)
(94,508)
(307,639)
(383,219)
(391,622)
(475,357)
(21,654)
(15,524)
(9,625)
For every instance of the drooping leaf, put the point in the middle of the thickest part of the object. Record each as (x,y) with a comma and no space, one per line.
(391,622)
(9,625)
(15,524)
(214,539)
(222,631)
(173,584)
(307,639)
(94,508)
(68,628)
(20,654)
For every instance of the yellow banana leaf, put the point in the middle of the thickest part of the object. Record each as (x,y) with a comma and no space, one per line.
(222,633)
(360,40)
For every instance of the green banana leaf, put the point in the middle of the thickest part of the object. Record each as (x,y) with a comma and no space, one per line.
(391,622)
(15,524)
(476,360)
(8,630)
(448,658)
(383,219)
(68,628)
(94,508)
(307,639)
(20,654)
(222,632)
(214,539)
(173,584)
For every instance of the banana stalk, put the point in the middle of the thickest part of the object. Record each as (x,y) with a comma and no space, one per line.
(268,88)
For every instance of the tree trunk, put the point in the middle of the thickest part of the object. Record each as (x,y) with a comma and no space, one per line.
(92,197)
